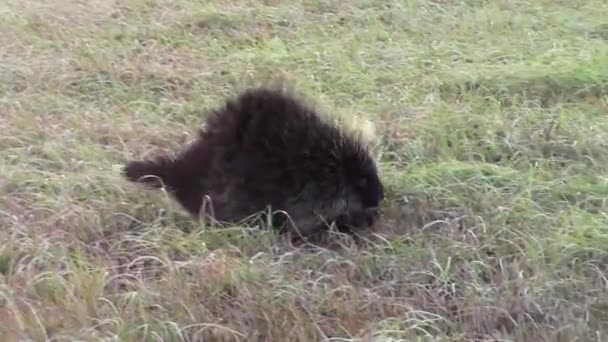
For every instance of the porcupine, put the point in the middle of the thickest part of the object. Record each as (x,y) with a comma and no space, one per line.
(267,148)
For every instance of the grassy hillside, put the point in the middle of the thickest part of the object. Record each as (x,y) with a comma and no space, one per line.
(492,127)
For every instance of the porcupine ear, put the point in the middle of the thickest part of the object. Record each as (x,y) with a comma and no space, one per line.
(154,173)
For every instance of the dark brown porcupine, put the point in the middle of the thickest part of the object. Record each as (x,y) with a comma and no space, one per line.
(266,148)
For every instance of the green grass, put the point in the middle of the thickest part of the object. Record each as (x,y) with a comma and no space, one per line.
(492,140)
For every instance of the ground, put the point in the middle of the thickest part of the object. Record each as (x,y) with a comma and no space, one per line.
(491,133)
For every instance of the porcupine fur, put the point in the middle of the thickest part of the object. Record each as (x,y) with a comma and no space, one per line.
(267,148)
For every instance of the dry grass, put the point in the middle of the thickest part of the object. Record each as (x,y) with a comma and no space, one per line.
(492,127)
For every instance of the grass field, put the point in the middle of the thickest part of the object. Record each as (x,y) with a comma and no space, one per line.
(492,130)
